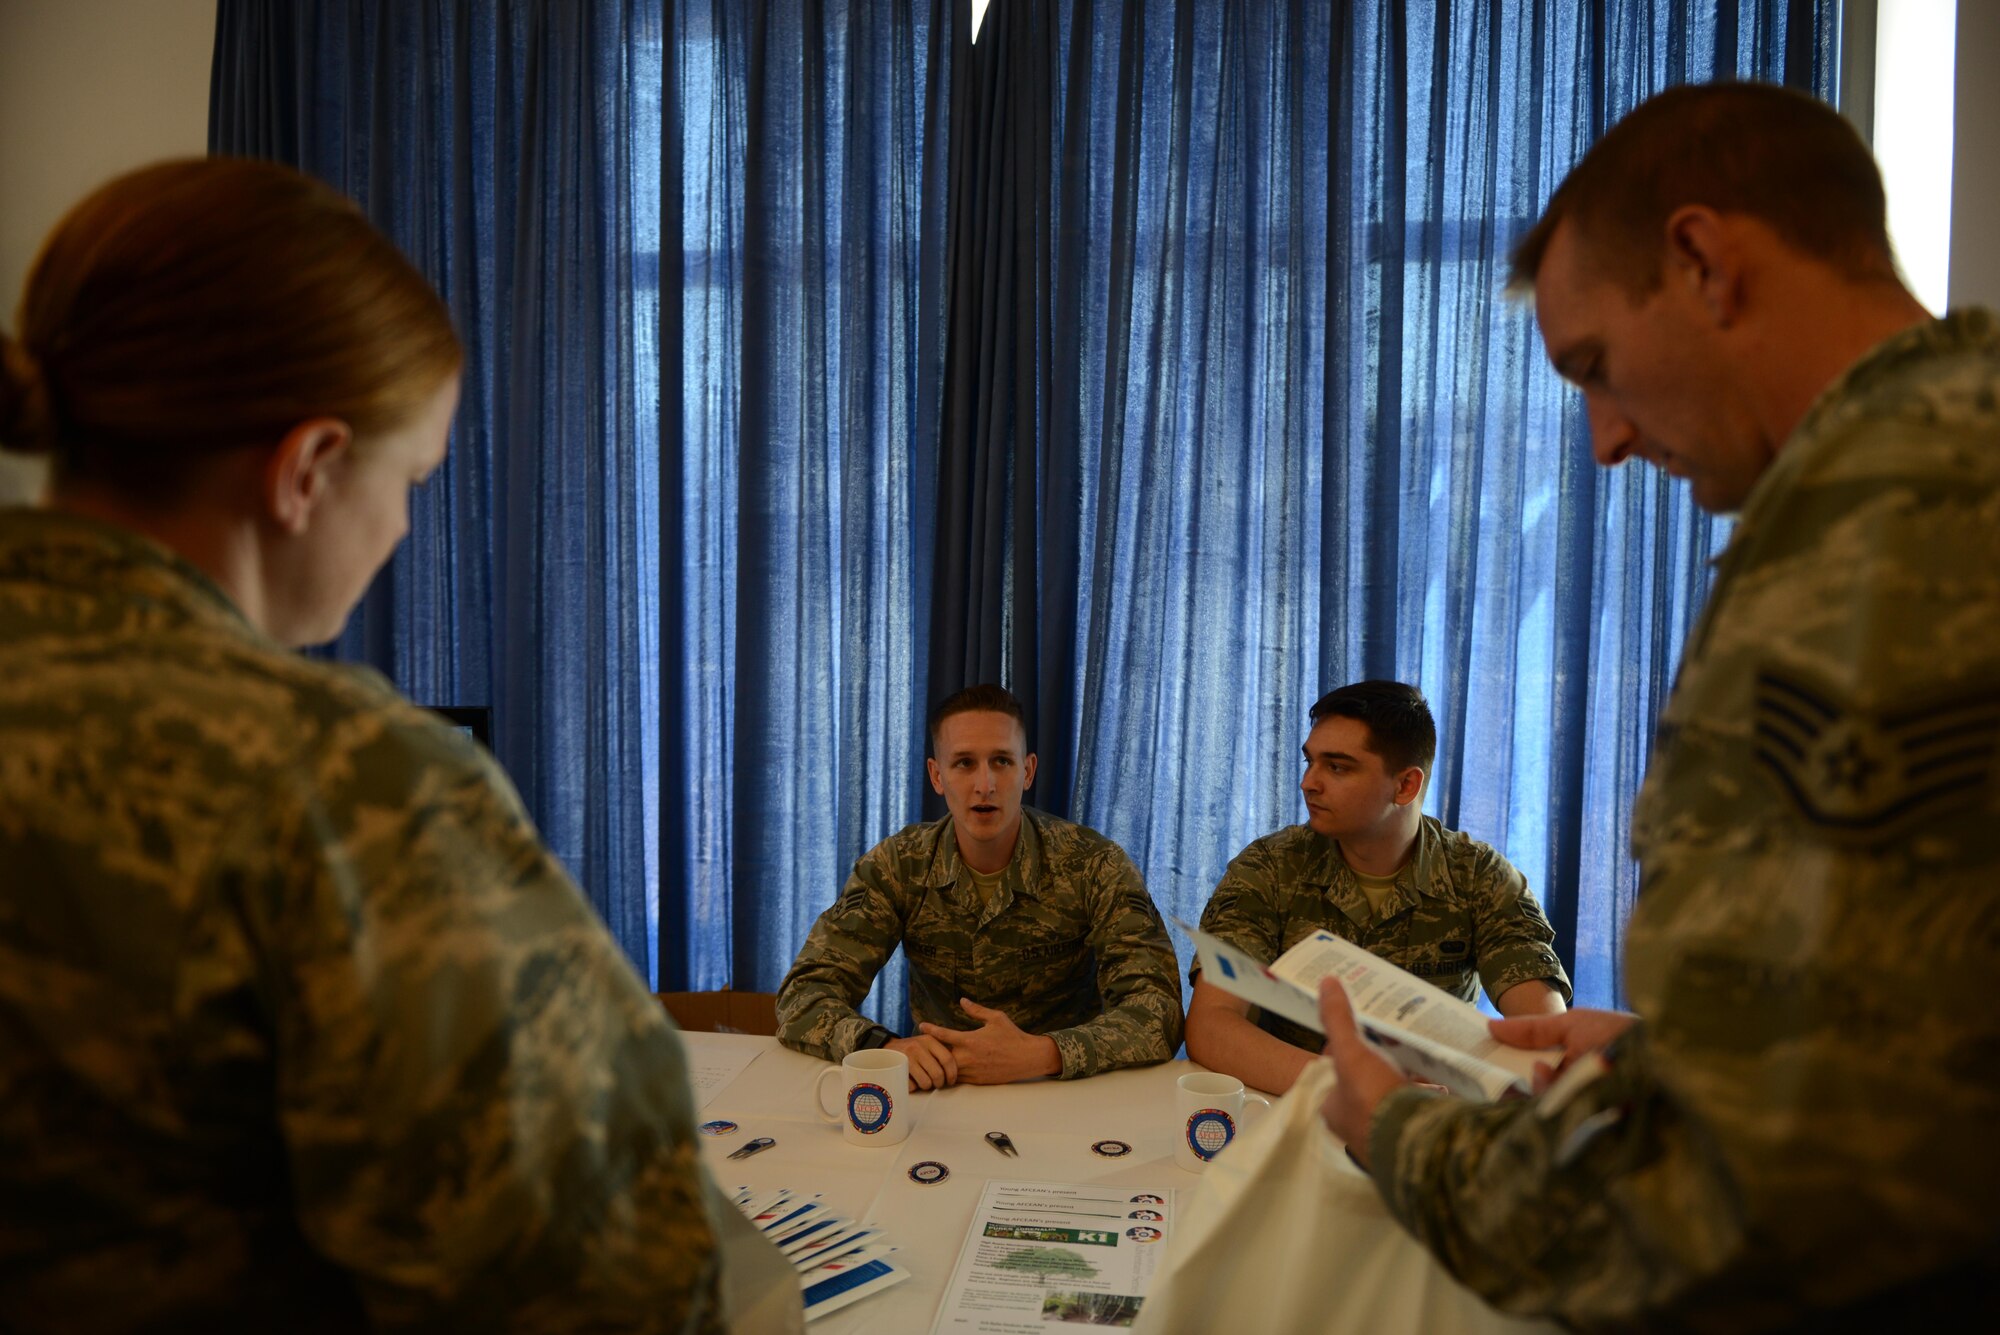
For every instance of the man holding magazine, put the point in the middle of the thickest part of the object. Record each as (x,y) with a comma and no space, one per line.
(1371,868)
(1795,1131)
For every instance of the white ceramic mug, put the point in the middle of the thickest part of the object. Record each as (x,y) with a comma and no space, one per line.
(1208,1111)
(875,1097)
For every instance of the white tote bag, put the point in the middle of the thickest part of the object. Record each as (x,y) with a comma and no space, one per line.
(1286,1234)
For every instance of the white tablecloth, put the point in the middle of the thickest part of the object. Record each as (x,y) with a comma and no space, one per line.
(1052,1123)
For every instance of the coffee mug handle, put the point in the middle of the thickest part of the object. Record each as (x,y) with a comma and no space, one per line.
(1264,1104)
(819,1100)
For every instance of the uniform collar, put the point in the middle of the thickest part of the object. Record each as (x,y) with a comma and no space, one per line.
(1968,328)
(66,550)
(1022,876)
(1426,875)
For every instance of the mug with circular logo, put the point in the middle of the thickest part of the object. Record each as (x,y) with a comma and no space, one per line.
(1208,1111)
(874,1085)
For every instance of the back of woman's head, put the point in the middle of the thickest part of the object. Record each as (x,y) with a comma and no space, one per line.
(196,306)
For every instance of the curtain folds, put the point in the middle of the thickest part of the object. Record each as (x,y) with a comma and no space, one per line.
(1147,357)
(509,148)
(1311,442)
(1231,410)
(803,358)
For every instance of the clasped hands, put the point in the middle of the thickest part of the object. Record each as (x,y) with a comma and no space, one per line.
(996,1053)
(1363,1077)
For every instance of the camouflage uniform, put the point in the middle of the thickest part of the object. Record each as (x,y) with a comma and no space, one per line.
(1801,1130)
(301,1027)
(1460,914)
(1071,947)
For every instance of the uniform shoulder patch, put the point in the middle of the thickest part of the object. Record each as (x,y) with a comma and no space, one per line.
(1862,776)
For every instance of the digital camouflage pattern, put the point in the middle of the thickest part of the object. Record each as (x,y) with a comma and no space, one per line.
(1460,915)
(301,1026)
(1802,1130)
(1071,946)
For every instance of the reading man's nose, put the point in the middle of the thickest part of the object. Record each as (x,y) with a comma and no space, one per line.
(1612,435)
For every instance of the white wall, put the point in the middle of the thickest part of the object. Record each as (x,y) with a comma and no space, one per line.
(88,88)
(1975,172)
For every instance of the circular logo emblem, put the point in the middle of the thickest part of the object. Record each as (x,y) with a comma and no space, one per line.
(1111,1149)
(869,1107)
(928,1173)
(1143,1234)
(718,1128)
(1208,1131)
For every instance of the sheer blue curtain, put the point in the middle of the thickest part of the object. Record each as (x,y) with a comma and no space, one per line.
(1319,444)
(1280,428)
(511,149)
(804,215)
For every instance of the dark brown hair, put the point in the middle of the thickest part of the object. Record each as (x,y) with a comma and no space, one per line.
(982,698)
(199,305)
(1397,716)
(1772,154)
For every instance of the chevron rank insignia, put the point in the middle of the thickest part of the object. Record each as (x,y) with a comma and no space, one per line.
(1863,776)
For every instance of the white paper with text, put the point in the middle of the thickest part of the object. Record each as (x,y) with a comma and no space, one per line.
(1043,1254)
(1428,1033)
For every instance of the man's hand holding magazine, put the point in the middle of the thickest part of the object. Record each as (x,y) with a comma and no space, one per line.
(1363,1077)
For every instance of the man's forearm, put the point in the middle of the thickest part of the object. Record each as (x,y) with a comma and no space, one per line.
(820,1024)
(1533,997)
(1142,1030)
(1608,1203)
(1225,1041)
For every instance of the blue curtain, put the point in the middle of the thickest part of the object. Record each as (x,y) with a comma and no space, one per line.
(1252,370)
(511,149)
(1264,423)
(804,217)
(1322,446)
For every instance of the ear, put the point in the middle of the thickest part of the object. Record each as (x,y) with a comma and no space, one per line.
(1705,259)
(1028,772)
(297,475)
(1409,786)
(937,775)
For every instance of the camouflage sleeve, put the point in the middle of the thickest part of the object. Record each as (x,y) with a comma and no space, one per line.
(487,1116)
(1814,945)
(1243,911)
(1137,977)
(1514,942)
(1593,1213)
(844,951)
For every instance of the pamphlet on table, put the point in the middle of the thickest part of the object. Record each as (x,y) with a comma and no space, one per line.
(1052,1252)
(1427,1033)
(713,1063)
(838,1260)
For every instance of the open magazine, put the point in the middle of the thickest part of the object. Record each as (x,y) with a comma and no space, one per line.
(1426,1032)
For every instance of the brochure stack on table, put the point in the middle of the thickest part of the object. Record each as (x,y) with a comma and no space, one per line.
(838,1261)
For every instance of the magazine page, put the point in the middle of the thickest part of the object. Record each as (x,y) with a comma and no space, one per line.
(1406,1007)
(1428,1033)
(1052,1252)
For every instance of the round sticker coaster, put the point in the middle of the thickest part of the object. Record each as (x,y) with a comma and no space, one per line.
(1110,1149)
(719,1128)
(928,1173)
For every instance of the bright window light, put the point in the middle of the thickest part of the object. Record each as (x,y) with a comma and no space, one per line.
(979,17)
(1914,68)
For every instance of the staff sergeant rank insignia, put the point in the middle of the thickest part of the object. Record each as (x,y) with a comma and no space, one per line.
(1858,776)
